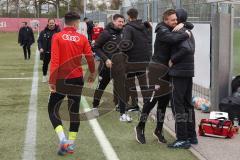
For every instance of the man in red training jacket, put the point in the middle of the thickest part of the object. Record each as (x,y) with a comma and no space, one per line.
(66,78)
(97,30)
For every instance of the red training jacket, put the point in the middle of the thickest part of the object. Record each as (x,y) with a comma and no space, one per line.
(67,50)
(96,32)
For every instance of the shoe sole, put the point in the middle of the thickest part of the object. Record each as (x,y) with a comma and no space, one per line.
(154,135)
(135,130)
(186,147)
(125,121)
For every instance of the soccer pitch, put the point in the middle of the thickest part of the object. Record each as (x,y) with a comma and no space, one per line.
(14,102)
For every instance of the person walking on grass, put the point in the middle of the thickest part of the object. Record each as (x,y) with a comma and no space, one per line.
(68,48)
(26,39)
(44,45)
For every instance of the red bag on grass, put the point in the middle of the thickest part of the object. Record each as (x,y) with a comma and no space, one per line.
(220,128)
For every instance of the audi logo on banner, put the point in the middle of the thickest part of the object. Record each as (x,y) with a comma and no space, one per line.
(70,38)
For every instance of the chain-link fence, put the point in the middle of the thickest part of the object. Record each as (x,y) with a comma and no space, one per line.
(144,8)
(97,16)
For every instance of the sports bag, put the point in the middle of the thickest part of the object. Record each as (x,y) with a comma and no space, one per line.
(220,128)
(231,105)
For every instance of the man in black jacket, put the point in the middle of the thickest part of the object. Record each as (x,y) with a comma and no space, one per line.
(136,32)
(26,39)
(106,46)
(44,45)
(165,39)
(181,72)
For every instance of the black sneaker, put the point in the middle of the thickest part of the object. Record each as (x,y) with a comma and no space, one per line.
(180,144)
(159,137)
(140,137)
(193,140)
(133,108)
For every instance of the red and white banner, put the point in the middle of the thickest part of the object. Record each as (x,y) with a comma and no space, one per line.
(14,24)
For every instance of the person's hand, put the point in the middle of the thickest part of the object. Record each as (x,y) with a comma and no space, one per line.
(170,64)
(41,50)
(109,63)
(178,27)
(91,77)
(189,33)
(52,88)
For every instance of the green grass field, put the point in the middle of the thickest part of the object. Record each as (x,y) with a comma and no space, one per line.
(14,104)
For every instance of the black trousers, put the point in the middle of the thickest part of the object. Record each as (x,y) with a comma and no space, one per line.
(161,110)
(131,85)
(46,60)
(55,102)
(27,51)
(104,79)
(182,107)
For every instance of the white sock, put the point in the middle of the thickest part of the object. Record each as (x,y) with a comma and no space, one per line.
(60,132)
(61,136)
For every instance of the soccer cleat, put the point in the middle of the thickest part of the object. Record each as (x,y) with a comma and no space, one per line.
(139,134)
(62,151)
(159,137)
(125,118)
(193,140)
(180,144)
(65,148)
(70,148)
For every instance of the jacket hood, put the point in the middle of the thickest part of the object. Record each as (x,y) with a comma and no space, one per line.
(181,15)
(137,24)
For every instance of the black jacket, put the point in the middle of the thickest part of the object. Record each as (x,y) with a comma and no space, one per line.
(25,36)
(137,33)
(107,43)
(182,55)
(165,39)
(45,38)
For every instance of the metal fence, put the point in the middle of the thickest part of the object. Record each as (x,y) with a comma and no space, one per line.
(144,8)
(97,16)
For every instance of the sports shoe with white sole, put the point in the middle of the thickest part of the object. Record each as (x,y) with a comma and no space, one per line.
(65,148)
(139,134)
(125,118)
(44,79)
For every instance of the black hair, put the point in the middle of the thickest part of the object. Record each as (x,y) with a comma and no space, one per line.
(85,18)
(132,13)
(70,17)
(116,16)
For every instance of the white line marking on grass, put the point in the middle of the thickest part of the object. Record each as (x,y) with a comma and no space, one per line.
(106,146)
(23,78)
(30,137)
